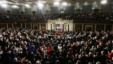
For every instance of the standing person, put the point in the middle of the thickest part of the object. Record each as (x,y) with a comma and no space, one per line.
(60,48)
(49,48)
(103,58)
(53,58)
(96,58)
(90,57)
(83,58)
(1,53)
(61,59)
(7,57)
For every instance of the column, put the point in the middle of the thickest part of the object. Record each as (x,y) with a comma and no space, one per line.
(63,28)
(104,27)
(40,26)
(25,25)
(12,25)
(55,26)
(82,27)
(95,27)
(112,27)
(73,26)
(46,26)
(21,25)
(68,27)
(31,26)
(7,25)
(37,26)
(51,27)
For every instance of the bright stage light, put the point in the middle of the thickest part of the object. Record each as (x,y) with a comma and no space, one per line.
(56,3)
(64,3)
(27,6)
(40,5)
(104,2)
(4,5)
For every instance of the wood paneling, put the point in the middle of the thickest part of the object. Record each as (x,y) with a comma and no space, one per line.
(3,26)
(28,25)
(23,25)
(43,26)
(37,26)
(9,25)
(17,25)
(108,27)
(99,27)
(78,27)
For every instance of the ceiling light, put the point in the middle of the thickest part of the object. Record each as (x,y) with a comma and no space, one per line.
(4,5)
(64,3)
(57,0)
(56,3)
(15,6)
(104,2)
(27,6)
(86,3)
(40,5)
(94,3)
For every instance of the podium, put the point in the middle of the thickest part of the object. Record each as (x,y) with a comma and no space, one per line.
(58,33)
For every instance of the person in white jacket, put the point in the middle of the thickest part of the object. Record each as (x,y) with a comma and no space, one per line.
(60,48)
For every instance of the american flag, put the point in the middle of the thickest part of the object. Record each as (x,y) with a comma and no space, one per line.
(59,26)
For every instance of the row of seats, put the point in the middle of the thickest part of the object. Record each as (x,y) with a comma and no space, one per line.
(74,16)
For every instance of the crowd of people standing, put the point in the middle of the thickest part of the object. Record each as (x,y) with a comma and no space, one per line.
(31,46)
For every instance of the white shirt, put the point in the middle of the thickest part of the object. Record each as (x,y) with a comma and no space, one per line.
(60,48)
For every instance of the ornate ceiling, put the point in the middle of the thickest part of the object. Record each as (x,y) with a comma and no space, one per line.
(51,1)
(33,3)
